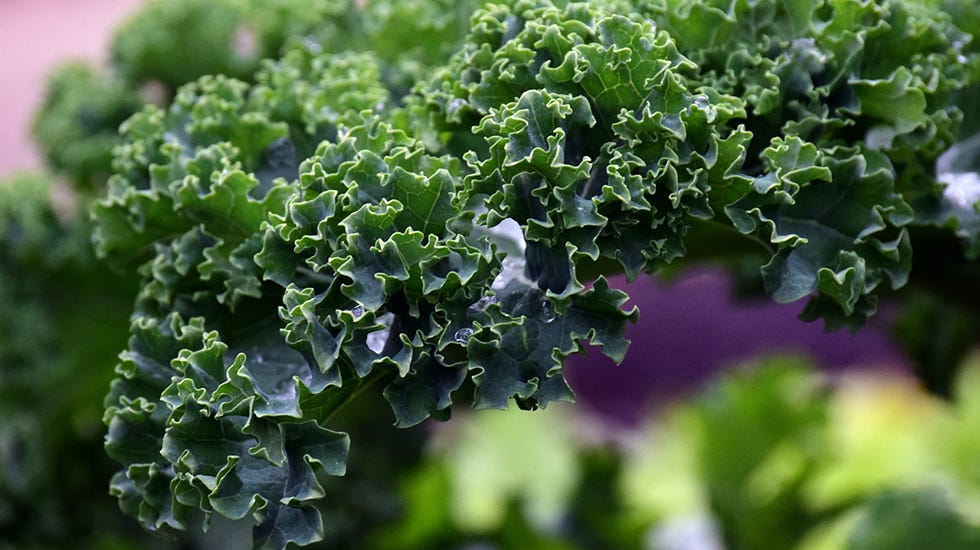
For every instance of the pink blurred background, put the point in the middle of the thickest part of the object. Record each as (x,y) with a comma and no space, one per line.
(35,36)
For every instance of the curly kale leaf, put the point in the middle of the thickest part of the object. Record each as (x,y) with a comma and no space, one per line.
(195,182)
(402,276)
(392,293)
(863,89)
(834,220)
(199,426)
(596,142)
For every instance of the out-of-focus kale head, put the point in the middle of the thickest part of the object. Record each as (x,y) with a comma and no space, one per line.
(78,122)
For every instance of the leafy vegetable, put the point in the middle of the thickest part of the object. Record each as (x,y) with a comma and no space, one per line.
(77,124)
(434,220)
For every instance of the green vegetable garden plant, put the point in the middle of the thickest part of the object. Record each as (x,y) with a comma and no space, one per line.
(423,200)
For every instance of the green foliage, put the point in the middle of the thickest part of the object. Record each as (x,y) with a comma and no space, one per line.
(773,416)
(421,201)
(168,43)
(913,519)
(176,42)
(370,241)
(772,454)
(376,230)
(62,319)
(788,127)
(77,125)
(849,93)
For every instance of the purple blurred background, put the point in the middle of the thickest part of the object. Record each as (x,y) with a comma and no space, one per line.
(688,328)
(691,327)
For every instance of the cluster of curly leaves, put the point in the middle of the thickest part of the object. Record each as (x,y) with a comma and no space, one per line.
(310,237)
(168,43)
(868,85)
(815,136)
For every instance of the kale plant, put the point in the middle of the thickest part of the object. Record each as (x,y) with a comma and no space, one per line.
(431,215)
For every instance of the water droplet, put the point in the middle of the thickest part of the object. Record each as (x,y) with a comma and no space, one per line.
(377,340)
(548,312)
(483,303)
(259,359)
(704,104)
(463,335)
(357,311)
(455,105)
(379,106)
(961,59)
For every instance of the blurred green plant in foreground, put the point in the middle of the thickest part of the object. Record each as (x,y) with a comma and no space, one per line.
(771,455)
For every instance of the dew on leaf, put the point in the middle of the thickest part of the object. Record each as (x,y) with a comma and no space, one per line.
(483,303)
(377,340)
(548,312)
(702,102)
(463,335)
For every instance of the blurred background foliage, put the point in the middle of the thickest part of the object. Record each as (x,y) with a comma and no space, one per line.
(772,454)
